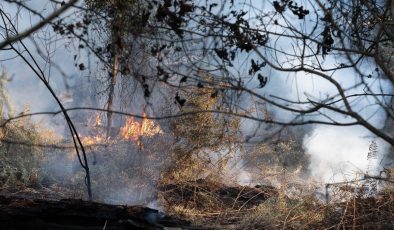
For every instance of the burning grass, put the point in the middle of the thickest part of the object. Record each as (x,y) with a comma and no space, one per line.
(134,130)
(180,183)
(35,162)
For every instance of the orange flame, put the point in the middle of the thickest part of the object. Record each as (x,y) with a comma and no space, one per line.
(134,130)
(92,140)
(95,123)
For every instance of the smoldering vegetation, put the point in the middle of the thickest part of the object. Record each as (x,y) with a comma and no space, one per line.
(227,122)
(245,186)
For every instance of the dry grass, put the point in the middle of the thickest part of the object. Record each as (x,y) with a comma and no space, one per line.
(19,162)
(122,172)
(284,213)
(212,204)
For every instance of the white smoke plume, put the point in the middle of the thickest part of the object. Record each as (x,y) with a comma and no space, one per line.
(340,154)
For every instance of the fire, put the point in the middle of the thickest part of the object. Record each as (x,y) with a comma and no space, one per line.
(95,123)
(134,130)
(92,140)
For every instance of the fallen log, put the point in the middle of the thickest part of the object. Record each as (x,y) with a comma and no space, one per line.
(22,213)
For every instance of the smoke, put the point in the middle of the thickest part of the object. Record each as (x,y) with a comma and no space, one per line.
(26,90)
(341,154)
(236,170)
(336,152)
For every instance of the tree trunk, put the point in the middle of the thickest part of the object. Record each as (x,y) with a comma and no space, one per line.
(116,53)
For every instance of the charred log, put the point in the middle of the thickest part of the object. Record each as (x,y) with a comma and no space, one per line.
(21,213)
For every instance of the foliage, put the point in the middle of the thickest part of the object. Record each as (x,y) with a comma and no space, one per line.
(271,157)
(180,39)
(199,136)
(214,62)
(19,153)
